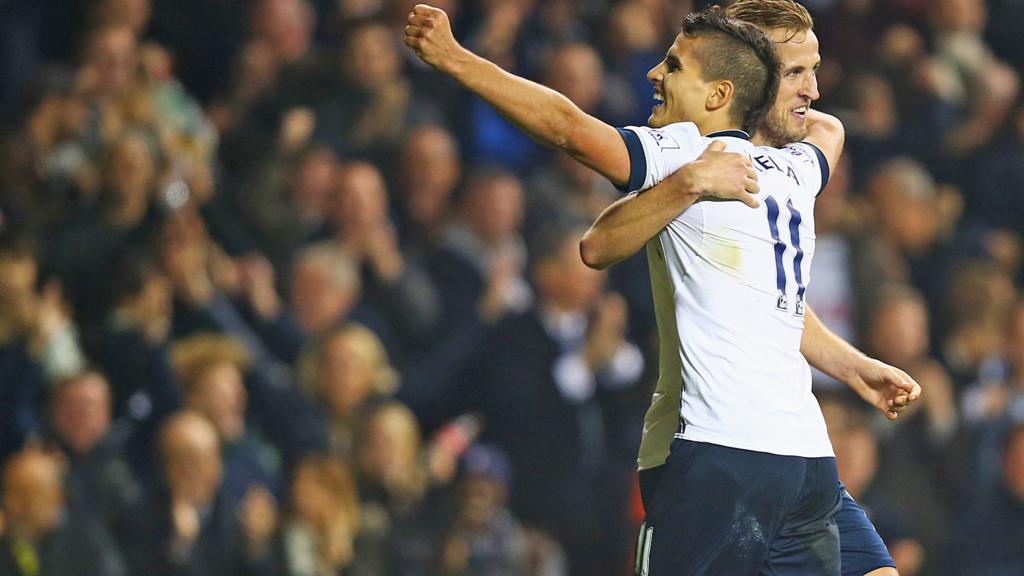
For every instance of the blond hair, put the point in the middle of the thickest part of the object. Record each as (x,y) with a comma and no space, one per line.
(192,357)
(768,14)
(364,344)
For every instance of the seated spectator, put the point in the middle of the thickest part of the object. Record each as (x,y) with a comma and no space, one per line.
(39,539)
(429,171)
(325,287)
(478,535)
(210,369)
(988,540)
(480,268)
(99,481)
(319,536)
(359,221)
(392,476)
(554,385)
(190,526)
(347,372)
(857,456)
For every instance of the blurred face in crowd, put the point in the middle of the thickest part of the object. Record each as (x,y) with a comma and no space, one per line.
(567,283)
(33,494)
(577,72)
(360,201)
(1013,464)
(391,448)
(129,172)
(219,395)
(132,13)
(960,15)
(905,202)
(494,208)
(191,458)
(370,58)
(899,331)
(482,498)
(312,182)
(113,58)
(346,375)
(287,26)
(81,411)
(430,171)
(798,85)
(318,297)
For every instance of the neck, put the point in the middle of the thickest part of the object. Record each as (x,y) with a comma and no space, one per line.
(716,123)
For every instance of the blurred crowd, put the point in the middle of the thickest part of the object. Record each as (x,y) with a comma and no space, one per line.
(277,300)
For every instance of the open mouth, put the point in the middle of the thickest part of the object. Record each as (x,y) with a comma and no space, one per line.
(800,112)
(658,100)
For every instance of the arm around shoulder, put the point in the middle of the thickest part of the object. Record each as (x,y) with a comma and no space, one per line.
(826,133)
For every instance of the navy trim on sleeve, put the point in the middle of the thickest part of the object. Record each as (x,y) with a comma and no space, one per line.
(733,133)
(822,163)
(637,160)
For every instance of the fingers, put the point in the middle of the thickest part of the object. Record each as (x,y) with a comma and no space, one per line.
(716,146)
(748,199)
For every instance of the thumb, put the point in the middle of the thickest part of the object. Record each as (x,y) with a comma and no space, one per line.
(717,146)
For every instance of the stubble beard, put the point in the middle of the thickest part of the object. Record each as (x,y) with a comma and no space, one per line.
(779,132)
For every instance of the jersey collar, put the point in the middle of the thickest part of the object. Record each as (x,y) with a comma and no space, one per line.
(733,133)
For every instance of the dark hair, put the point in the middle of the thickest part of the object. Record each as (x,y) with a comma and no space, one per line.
(741,53)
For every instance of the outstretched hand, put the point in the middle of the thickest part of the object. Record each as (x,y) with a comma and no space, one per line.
(724,175)
(885,387)
(429,34)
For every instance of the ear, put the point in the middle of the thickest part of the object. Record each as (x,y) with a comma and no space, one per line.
(721,96)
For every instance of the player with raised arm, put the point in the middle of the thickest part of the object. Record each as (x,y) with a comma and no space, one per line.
(642,157)
(630,223)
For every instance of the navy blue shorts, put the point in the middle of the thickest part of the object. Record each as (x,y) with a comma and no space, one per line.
(718,510)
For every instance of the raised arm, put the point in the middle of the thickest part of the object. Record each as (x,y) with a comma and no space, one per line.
(545,115)
(625,226)
(885,387)
(827,134)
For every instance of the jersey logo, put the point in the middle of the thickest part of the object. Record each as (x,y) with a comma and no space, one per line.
(664,141)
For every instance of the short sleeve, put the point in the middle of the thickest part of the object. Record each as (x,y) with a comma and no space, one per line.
(655,153)
(810,164)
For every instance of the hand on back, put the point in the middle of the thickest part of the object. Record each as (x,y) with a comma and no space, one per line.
(723,175)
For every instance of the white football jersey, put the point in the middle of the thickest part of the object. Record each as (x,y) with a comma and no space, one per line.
(729,284)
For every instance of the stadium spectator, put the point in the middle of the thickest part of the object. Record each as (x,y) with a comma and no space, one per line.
(190,524)
(325,287)
(553,384)
(359,222)
(210,370)
(99,481)
(347,372)
(430,169)
(38,538)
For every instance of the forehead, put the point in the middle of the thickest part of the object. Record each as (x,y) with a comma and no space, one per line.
(800,49)
(683,48)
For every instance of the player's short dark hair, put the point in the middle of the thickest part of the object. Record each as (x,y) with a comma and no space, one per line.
(741,53)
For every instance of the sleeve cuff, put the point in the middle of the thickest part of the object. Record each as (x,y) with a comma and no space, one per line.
(822,164)
(637,160)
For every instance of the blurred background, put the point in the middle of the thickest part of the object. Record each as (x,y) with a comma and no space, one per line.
(276,299)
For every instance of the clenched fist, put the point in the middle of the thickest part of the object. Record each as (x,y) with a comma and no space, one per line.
(429,34)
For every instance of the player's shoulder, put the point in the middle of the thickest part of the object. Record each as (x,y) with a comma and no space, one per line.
(671,136)
(803,160)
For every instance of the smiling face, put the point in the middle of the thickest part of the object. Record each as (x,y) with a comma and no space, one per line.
(798,87)
(680,93)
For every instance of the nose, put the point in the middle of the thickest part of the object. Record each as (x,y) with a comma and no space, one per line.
(654,75)
(809,89)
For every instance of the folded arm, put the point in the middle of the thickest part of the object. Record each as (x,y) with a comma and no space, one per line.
(625,226)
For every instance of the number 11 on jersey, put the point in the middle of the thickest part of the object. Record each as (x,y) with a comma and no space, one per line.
(781,280)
